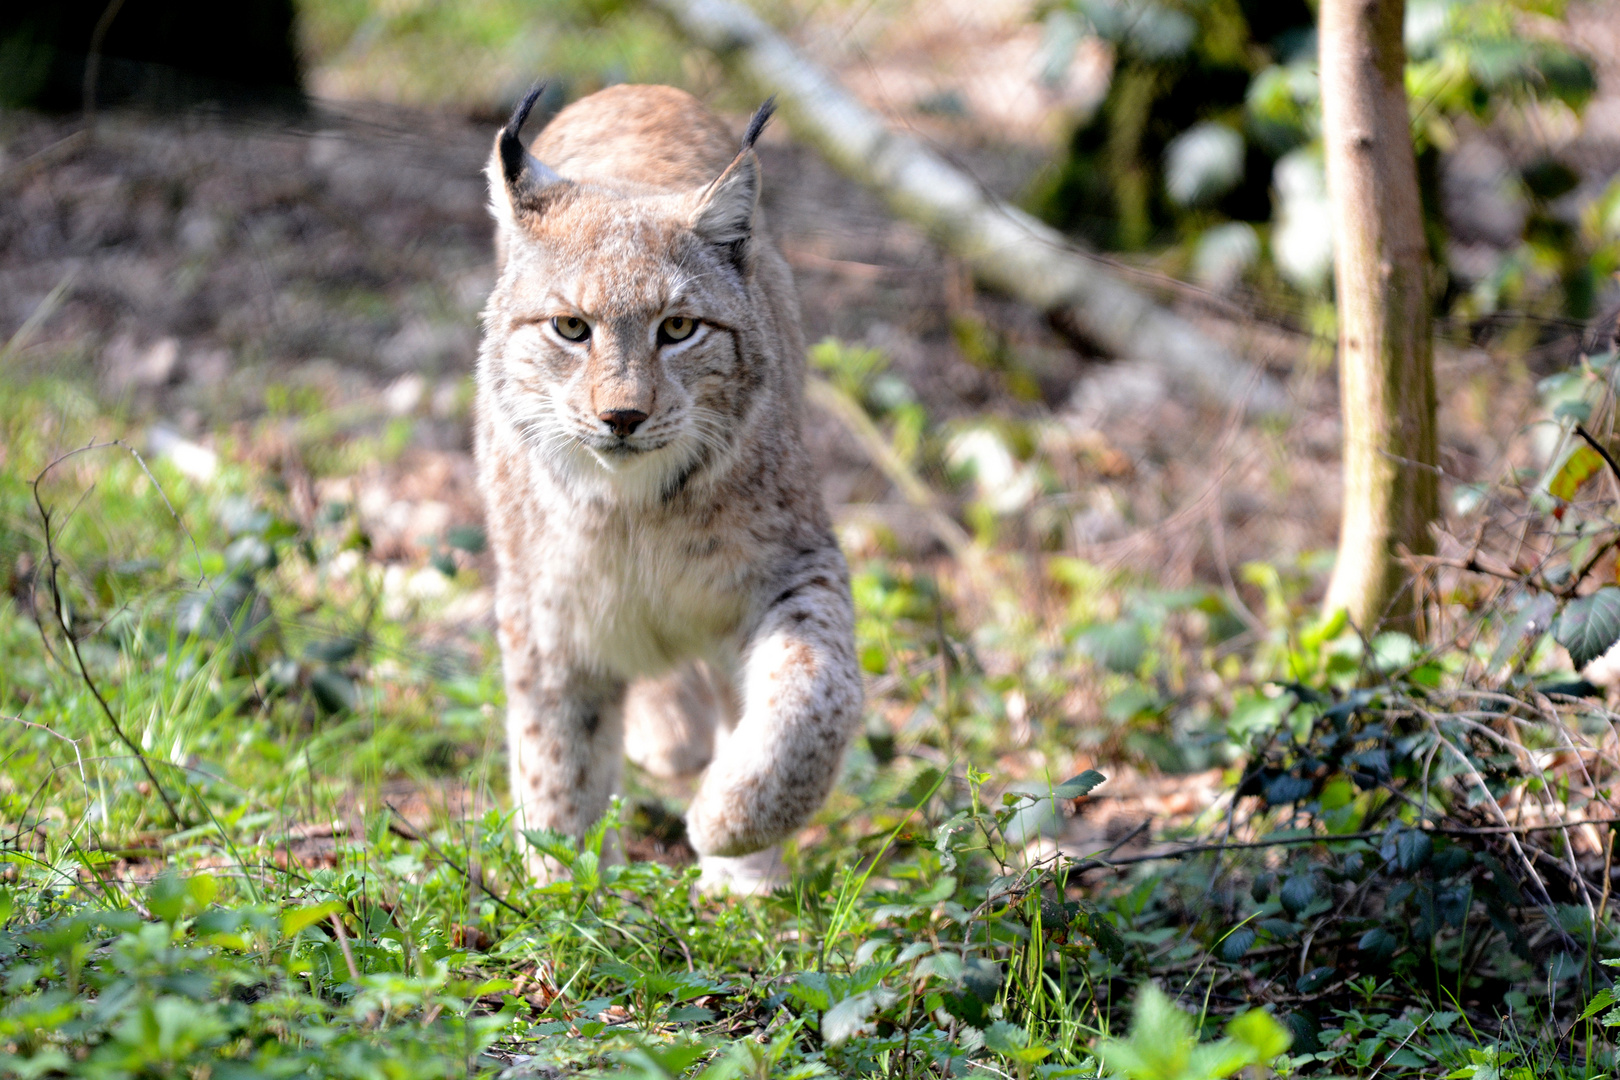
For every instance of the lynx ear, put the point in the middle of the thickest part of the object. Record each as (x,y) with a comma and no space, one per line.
(518,182)
(725,209)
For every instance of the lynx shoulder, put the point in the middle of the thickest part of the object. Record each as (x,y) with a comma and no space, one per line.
(665,565)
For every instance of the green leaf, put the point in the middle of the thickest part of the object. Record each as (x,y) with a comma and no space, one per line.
(1589,626)
(166,898)
(301,918)
(1534,618)
(1314,980)
(921,789)
(1298,893)
(1238,942)
(1012,1042)
(1095,925)
(1409,849)
(332,650)
(1380,942)
(468,538)
(1119,647)
(1076,786)
(1576,470)
(849,1017)
(1161,1041)
(1261,1033)
(1600,1001)
(334,691)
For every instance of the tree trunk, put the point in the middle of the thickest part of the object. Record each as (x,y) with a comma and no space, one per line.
(1386,361)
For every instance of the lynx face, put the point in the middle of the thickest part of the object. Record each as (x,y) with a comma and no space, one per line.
(621,314)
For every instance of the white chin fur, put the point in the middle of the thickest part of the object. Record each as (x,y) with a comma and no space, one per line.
(631,478)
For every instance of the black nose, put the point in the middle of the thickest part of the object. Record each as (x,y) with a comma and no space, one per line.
(622,421)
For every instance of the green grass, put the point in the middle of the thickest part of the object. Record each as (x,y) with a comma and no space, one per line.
(285,919)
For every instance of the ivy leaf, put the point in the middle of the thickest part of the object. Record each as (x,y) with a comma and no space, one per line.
(1590,626)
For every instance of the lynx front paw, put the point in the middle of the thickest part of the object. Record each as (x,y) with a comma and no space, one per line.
(758,874)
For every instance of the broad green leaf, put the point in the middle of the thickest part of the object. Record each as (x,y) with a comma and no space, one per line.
(1238,942)
(1298,893)
(300,918)
(1589,626)
(1076,786)
(849,1017)
(1600,1001)
(334,691)
(1261,1032)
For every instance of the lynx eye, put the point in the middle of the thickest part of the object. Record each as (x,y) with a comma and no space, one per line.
(675,328)
(571,329)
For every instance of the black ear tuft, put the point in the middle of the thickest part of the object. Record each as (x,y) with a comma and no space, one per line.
(513,156)
(762,116)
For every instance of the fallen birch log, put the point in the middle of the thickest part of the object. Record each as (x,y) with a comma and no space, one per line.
(1006,248)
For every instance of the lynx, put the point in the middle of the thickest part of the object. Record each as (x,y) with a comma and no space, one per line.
(666,571)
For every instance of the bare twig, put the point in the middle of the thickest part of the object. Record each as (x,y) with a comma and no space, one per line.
(52,564)
(1603,452)
(1099,863)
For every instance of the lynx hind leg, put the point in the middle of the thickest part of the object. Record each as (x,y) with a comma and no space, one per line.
(565,735)
(670,722)
(801,701)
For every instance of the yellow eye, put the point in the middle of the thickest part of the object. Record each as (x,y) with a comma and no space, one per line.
(675,328)
(570,328)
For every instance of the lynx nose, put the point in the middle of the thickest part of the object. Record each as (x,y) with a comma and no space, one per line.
(622,421)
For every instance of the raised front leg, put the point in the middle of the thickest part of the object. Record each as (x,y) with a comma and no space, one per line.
(801,701)
(565,739)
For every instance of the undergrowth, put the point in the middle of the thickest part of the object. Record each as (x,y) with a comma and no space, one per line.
(254,826)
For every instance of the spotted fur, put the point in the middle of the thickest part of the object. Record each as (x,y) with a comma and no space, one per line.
(679,578)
